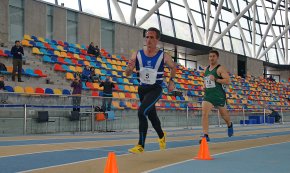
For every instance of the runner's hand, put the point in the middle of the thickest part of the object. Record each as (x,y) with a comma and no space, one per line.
(171,86)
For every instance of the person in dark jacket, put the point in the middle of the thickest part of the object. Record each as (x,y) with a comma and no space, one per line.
(77,91)
(107,93)
(275,115)
(17,52)
(91,49)
(3,96)
(97,51)
(86,74)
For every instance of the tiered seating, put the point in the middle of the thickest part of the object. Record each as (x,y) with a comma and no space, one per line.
(69,58)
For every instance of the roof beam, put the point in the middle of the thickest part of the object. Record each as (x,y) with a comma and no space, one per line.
(192,20)
(119,11)
(268,26)
(133,11)
(207,21)
(233,22)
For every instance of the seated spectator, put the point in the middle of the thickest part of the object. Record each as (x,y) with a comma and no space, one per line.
(91,49)
(94,77)
(86,75)
(97,50)
(3,96)
(275,115)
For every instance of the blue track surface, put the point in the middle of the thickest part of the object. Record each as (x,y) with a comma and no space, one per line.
(58,141)
(53,158)
(267,159)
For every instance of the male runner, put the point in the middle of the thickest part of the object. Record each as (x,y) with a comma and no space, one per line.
(215,76)
(149,63)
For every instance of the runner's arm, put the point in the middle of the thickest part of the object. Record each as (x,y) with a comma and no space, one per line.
(131,64)
(224,74)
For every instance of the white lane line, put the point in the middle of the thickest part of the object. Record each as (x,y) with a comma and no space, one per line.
(260,146)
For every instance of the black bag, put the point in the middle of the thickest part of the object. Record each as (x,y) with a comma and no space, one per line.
(98,109)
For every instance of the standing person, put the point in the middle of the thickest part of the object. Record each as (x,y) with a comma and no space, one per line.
(215,96)
(149,63)
(17,52)
(77,91)
(107,93)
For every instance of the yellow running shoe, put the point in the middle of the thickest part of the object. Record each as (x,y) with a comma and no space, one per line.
(137,149)
(162,142)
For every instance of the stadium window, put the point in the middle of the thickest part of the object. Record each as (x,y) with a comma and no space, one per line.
(195,5)
(164,9)
(148,4)
(99,8)
(179,13)
(126,9)
(107,35)
(49,21)
(151,22)
(166,24)
(73,4)
(72,26)
(182,30)
(272,56)
(238,46)
(16,19)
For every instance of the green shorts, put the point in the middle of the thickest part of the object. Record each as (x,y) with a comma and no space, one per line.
(217,102)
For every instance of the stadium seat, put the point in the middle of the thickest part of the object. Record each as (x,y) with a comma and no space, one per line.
(57,91)
(48,91)
(9,88)
(18,89)
(29,90)
(69,76)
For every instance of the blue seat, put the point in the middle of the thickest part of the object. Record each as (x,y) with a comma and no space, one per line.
(30,72)
(7,52)
(9,88)
(40,45)
(67,60)
(81,62)
(34,38)
(54,60)
(48,91)
(66,92)
(32,43)
(120,81)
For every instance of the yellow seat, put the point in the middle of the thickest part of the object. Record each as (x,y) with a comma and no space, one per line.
(26,43)
(9,69)
(122,95)
(99,59)
(118,63)
(116,95)
(61,48)
(109,61)
(134,96)
(76,56)
(133,89)
(104,66)
(114,61)
(87,63)
(114,73)
(63,54)
(124,63)
(72,68)
(117,105)
(57,53)
(57,91)
(69,76)
(98,71)
(27,37)
(119,68)
(186,98)
(79,69)
(41,39)
(18,89)
(35,50)
(96,86)
(126,81)
(29,90)
(78,46)
(127,88)
(114,67)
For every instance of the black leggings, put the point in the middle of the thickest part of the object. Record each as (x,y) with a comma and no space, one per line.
(148,95)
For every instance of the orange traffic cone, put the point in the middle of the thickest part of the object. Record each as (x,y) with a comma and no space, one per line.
(203,153)
(111,165)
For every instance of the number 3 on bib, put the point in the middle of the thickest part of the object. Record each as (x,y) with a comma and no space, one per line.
(209,83)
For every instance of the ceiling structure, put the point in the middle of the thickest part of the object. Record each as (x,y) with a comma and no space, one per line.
(254,28)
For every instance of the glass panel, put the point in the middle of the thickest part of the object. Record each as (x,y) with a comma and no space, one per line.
(16,27)
(227,43)
(235,32)
(71,32)
(164,9)
(50,1)
(72,16)
(244,23)
(195,36)
(181,62)
(166,25)
(247,35)
(242,5)
(198,18)
(126,9)
(179,13)
(73,4)
(99,8)
(182,31)
(191,64)
(278,17)
(194,5)
(261,16)
(238,46)
(49,22)
(219,43)
(148,4)
(151,22)
(127,1)
(227,16)
(272,56)
(223,27)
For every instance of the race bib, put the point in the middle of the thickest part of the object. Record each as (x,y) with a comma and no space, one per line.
(209,83)
(148,75)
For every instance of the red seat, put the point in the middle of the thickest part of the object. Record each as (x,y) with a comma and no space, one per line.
(90,85)
(95,93)
(128,95)
(58,67)
(60,43)
(39,73)
(2,53)
(39,90)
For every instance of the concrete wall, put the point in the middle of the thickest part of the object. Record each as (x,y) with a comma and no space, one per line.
(59,24)
(229,60)
(127,39)
(254,67)
(35,18)
(4,21)
(88,29)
